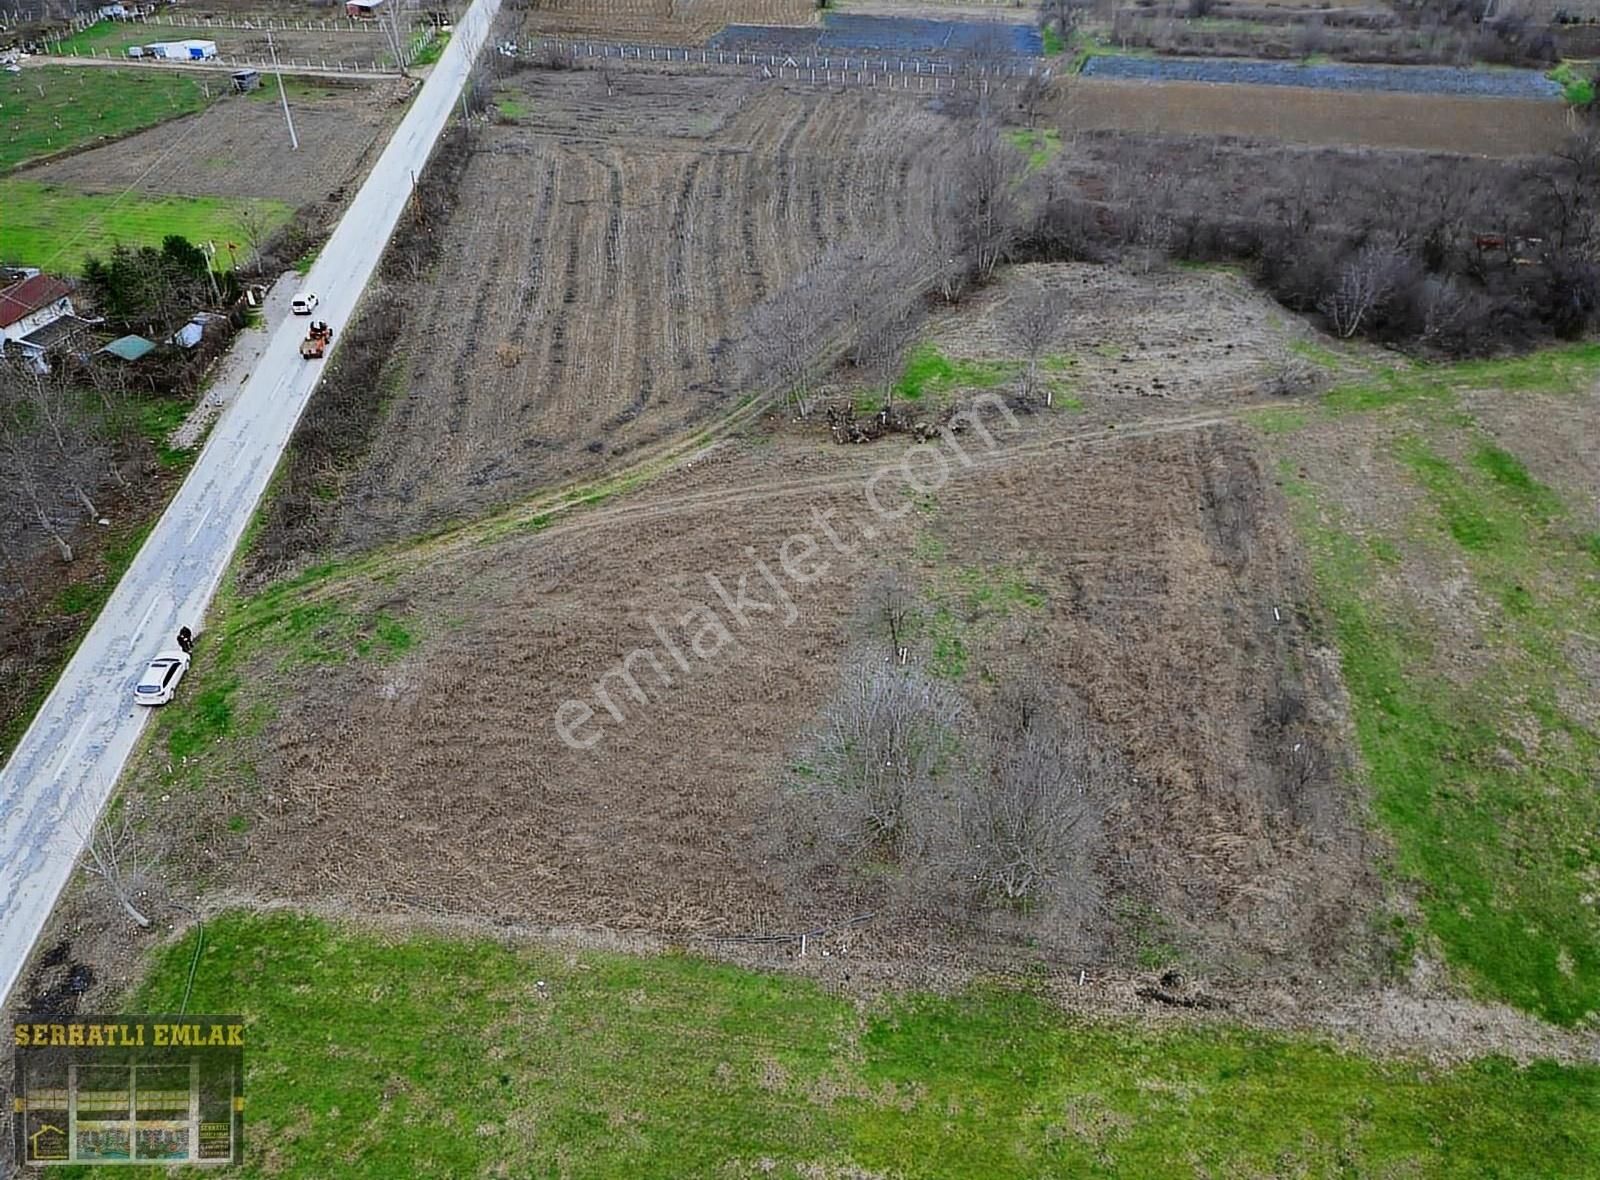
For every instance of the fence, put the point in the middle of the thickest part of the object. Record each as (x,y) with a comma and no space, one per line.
(289,64)
(369,27)
(796,65)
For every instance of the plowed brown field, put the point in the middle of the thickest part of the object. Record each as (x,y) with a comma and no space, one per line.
(588,301)
(671,21)
(1436,123)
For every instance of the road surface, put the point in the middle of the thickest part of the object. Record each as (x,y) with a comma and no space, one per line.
(58,779)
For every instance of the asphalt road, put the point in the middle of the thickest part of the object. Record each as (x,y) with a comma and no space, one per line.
(58,779)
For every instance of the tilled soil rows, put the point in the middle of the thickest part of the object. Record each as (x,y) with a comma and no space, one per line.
(659,20)
(1426,122)
(590,300)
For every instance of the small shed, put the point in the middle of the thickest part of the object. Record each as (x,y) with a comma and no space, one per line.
(245,81)
(191,49)
(129,348)
(360,9)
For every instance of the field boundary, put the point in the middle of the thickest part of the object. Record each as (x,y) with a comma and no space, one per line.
(1016,67)
(290,66)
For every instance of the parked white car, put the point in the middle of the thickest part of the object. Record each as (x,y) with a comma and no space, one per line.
(160,679)
(304,303)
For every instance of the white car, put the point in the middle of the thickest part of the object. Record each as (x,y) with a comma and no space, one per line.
(304,303)
(160,679)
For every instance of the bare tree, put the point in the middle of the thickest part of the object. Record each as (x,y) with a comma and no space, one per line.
(396,32)
(884,745)
(1035,821)
(115,855)
(894,607)
(893,332)
(50,401)
(982,198)
(1066,17)
(1365,281)
(38,466)
(1032,316)
(784,340)
(1036,94)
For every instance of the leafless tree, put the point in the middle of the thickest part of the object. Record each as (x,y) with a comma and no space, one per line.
(1034,822)
(894,607)
(1032,316)
(982,198)
(1365,281)
(114,853)
(29,497)
(396,31)
(51,401)
(1036,93)
(889,335)
(48,457)
(784,340)
(885,742)
(1066,17)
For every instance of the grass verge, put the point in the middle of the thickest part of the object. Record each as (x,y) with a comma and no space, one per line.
(1481,768)
(383,1056)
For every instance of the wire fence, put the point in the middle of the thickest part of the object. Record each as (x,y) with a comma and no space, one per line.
(856,69)
(287,65)
(414,49)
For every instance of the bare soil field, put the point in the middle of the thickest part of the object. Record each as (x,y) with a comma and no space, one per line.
(631,234)
(1135,557)
(239,147)
(658,20)
(1476,126)
(1136,339)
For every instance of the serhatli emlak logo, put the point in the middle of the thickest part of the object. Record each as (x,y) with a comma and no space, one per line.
(128,1089)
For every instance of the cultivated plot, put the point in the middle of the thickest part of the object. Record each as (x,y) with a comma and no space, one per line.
(631,233)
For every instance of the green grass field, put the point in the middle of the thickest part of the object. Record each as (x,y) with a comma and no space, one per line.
(57,228)
(1486,781)
(377,1056)
(115,36)
(53,108)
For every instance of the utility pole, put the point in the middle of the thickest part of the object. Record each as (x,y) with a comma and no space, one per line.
(294,140)
(211,271)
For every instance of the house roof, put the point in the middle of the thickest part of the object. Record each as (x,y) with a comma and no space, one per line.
(25,298)
(129,348)
(55,332)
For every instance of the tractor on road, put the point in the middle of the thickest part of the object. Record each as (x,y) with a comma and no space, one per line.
(315,345)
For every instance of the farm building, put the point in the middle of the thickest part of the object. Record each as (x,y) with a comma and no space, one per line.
(36,318)
(362,8)
(55,337)
(33,303)
(245,81)
(189,50)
